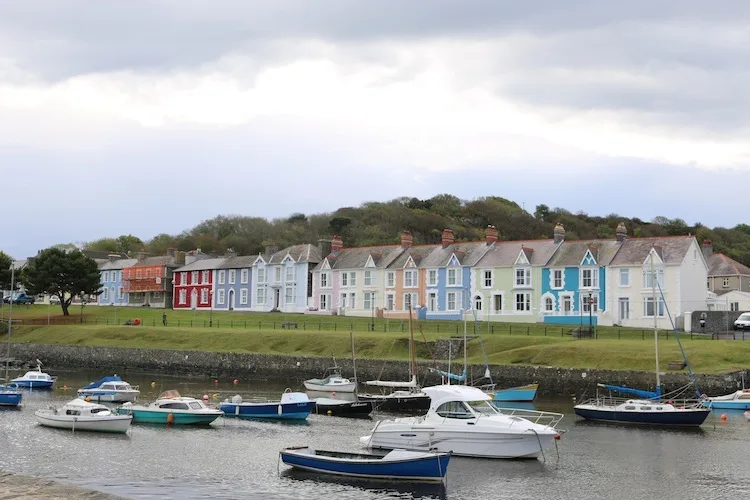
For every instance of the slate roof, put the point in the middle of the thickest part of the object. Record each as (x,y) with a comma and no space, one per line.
(721,265)
(300,253)
(96,254)
(635,251)
(238,262)
(201,265)
(356,258)
(158,260)
(117,264)
(505,253)
(467,253)
(417,253)
(571,253)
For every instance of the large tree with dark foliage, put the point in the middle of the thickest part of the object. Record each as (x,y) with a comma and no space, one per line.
(63,273)
(5,263)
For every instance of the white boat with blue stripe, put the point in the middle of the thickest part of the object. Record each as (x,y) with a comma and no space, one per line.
(110,390)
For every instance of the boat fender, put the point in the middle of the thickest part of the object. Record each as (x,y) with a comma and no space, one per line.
(170,418)
(236,399)
(280,410)
(329,413)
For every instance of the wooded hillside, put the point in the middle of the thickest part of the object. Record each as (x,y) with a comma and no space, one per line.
(381,222)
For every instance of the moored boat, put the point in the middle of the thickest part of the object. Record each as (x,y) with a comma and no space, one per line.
(171,408)
(738,400)
(110,389)
(396,465)
(80,415)
(332,381)
(292,406)
(524,393)
(10,397)
(341,408)
(34,379)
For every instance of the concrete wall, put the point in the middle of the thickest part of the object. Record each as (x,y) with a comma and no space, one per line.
(716,321)
(554,381)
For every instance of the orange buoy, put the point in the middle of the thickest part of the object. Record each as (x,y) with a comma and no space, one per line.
(236,381)
(723,417)
(216,381)
(65,388)
(170,418)
(88,399)
(333,394)
(205,397)
(558,437)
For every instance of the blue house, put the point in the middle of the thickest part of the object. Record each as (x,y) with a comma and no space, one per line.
(574,282)
(233,283)
(111,279)
(284,278)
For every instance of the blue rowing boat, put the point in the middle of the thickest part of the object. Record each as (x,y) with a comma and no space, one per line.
(10,397)
(396,465)
(292,406)
(524,393)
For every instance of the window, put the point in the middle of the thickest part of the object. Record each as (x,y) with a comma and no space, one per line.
(119,293)
(277,274)
(432,277)
(105,276)
(624,277)
(352,300)
(589,304)
(410,278)
(138,273)
(183,296)
(390,279)
(369,298)
(289,274)
(344,279)
(324,302)
(105,295)
(204,296)
(549,305)
(557,279)
(498,299)
(454,409)
(342,300)
(478,302)
(232,276)
(368,278)
(523,302)
(454,277)
(454,301)
(260,295)
(390,302)
(289,295)
(204,277)
(648,307)
(119,276)
(243,296)
(194,278)
(725,284)
(244,275)
(352,279)
(647,281)
(324,280)
(410,299)
(589,278)
(222,276)
(734,306)
(261,275)
(487,278)
(523,276)
(220,296)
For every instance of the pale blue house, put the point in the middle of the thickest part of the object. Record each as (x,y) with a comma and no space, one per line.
(111,279)
(283,278)
(233,284)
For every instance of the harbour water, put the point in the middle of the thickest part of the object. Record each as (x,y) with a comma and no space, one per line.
(235,459)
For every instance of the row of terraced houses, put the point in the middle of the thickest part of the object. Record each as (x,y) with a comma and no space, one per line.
(604,281)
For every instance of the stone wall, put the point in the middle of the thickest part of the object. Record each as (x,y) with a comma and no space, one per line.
(553,381)
(716,321)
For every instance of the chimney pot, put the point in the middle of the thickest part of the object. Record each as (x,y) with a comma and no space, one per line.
(559,233)
(707,248)
(621,232)
(336,244)
(407,239)
(448,237)
(491,234)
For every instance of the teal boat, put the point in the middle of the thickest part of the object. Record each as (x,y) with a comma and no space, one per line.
(171,408)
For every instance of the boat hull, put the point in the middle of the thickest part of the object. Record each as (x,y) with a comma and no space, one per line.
(112,423)
(311,386)
(109,396)
(526,393)
(430,468)
(466,444)
(269,411)
(727,405)
(33,384)
(681,418)
(349,409)
(397,403)
(10,398)
(149,416)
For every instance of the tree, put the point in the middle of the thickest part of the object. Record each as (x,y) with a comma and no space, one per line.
(62,273)
(542,212)
(5,263)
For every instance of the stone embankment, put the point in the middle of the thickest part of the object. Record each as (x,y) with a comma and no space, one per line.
(552,380)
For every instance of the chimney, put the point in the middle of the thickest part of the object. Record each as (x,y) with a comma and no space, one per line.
(171,251)
(448,237)
(559,233)
(490,234)
(142,255)
(179,258)
(337,244)
(230,253)
(621,232)
(324,246)
(407,239)
(113,257)
(708,248)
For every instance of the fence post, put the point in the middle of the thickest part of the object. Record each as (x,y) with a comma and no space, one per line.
(528,329)
(492,328)
(191,323)
(178,323)
(153,322)
(231,323)
(258,325)
(318,325)
(643,335)
(562,331)
(618,333)
(274,325)
(334,326)
(304,325)
(510,329)
(204,323)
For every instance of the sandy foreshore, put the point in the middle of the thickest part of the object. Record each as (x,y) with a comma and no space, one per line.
(18,487)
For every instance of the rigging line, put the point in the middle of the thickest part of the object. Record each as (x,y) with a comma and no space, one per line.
(676,336)
(386,360)
(481,342)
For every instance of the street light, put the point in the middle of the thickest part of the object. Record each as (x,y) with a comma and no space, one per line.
(83,303)
(591,309)
(211,311)
(372,317)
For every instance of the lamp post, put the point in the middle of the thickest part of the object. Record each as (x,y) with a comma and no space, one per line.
(83,303)
(211,310)
(591,309)
(372,316)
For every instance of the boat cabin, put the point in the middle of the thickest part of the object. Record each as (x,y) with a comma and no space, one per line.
(182,405)
(39,376)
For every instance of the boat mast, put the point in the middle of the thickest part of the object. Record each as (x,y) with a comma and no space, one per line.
(656,330)
(412,368)
(466,381)
(354,362)
(10,318)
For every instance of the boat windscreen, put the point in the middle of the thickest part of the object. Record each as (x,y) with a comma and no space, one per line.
(483,407)
(172,394)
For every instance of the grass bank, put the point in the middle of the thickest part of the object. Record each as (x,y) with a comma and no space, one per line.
(706,356)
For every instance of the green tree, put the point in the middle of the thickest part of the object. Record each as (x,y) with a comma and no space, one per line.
(62,273)
(5,263)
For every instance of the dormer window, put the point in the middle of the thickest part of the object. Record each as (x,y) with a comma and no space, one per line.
(454,277)
(523,276)
(590,278)
(647,278)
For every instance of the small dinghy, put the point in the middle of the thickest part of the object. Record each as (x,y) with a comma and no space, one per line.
(10,397)
(397,464)
(341,408)
(332,381)
(80,415)
(292,406)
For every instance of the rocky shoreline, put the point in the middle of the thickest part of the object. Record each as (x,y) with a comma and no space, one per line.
(20,487)
(553,381)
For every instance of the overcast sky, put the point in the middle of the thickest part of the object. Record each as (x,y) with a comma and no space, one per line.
(145,117)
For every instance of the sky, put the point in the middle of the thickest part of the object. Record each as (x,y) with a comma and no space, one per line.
(145,117)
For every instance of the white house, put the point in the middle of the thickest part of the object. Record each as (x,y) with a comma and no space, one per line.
(733,300)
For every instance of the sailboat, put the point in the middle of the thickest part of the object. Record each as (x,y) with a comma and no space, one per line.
(408,396)
(649,409)
(8,396)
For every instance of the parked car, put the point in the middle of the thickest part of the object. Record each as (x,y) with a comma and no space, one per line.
(22,298)
(743,322)
(54,299)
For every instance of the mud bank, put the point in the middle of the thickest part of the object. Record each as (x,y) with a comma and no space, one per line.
(20,487)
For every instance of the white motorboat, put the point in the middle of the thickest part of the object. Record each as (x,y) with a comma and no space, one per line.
(80,415)
(738,400)
(461,420)
(111,390)
(34,379)
(171,408)
(332,381)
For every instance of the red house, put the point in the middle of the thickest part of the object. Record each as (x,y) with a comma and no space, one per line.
(194,284)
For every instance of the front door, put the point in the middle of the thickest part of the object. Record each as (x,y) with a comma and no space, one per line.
(567,305)
(623,309)
(276,298)
(194,298)
(432,302)
(231,300)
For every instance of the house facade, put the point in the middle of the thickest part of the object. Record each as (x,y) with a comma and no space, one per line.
(112,291)
(233,284)
(148,282)
(724,273)
(283,278)
(194,284)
